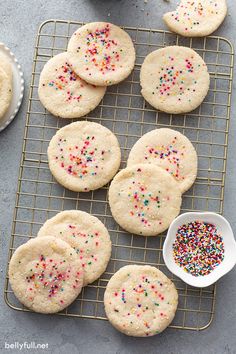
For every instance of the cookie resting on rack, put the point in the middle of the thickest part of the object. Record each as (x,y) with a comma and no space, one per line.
(45,274)
(169,149)
(101,53)
(63,93)
(174,79)
(87,235)
(84,156)
(196,18)
(144,199)
(140,301)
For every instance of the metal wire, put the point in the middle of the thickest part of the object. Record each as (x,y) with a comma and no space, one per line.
(125,112)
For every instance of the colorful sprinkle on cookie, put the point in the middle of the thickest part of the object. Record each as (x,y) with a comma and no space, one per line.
(141,200)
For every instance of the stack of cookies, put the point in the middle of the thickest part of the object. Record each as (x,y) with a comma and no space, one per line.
(146,196)
(72,250)
(73,83)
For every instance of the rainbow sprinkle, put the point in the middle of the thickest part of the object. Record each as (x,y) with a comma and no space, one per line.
(174,81)
(80,160)
(101,50)
(142,200)
(88,243)
(198,248)
(46,273)
(168,153)
(64,76)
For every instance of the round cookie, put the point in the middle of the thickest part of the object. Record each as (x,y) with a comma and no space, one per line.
(45,274)
(144,199)
(101,53)
(87,235)
(5,91)
(170,150)
(196,18)
(5,65)
(63,93)
(140,301)
(84,156)
(174,79)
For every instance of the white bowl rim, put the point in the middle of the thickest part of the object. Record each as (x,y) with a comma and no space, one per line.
(177,270)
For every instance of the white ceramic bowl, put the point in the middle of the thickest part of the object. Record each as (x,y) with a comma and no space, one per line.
(226,232)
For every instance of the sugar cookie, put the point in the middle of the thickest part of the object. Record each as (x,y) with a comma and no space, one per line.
(140,301)
(63,93)
(45,274)
(144,199)
(101,53)
(174,79)
(84,156)
(196,18)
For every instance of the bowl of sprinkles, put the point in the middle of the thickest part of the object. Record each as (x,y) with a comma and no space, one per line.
(200,248)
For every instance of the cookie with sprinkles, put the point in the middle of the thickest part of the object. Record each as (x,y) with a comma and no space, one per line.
(170,150)
(140,301)
(144,199)
(196,18)
(174,79)
(84,156)
(45,274)
(63,93)
(87,235)
(101,53)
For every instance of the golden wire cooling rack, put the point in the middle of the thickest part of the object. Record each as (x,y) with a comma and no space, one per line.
(125,112)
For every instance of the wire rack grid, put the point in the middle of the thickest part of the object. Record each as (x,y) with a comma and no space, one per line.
(124,111)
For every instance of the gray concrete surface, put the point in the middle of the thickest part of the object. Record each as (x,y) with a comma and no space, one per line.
(19,21)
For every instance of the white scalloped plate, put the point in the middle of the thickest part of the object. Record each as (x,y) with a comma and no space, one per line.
(18,88)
